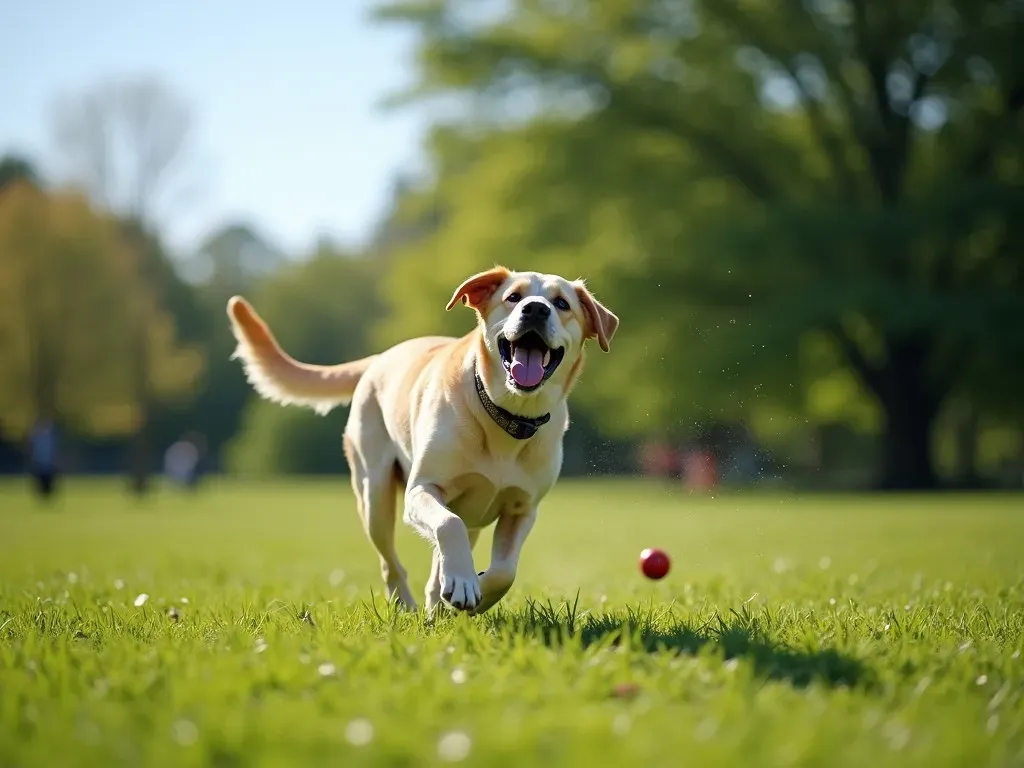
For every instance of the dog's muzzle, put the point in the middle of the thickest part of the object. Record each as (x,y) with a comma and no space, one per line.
(528,359)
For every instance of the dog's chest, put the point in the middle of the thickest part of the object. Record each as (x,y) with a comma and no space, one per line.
(481,497)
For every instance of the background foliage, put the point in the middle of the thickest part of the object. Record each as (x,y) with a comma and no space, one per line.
(807,215)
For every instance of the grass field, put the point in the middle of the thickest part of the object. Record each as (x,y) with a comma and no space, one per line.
(832,631)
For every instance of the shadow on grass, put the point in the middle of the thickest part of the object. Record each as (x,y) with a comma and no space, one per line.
(740,636)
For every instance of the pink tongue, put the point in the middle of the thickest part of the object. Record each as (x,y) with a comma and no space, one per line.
(527,369)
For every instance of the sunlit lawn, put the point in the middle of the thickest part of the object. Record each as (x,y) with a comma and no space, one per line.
(858,631)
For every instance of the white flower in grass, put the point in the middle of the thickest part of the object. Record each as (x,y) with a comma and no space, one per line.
(141,600)
(454,746)
(185,733)
(621,724)
(260,646)
(118,584)
(359,732)
(458,675)
(326,669)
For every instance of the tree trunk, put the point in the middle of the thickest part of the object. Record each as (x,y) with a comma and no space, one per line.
(966,430)
(907,461)
(910,407)
(140,463)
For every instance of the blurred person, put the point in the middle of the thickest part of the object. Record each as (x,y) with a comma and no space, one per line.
(43,464)
(660,460)
(181,463)
(700,469)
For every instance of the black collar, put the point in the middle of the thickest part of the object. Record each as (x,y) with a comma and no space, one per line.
(519,427)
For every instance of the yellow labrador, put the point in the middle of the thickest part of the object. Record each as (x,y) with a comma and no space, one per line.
(470,429)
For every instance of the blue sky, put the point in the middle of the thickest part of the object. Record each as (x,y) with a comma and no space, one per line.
(288,133)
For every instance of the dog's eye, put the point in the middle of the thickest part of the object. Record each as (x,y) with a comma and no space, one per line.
(512,298)
(562,304)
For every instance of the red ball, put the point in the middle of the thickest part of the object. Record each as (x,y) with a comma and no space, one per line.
(654,563)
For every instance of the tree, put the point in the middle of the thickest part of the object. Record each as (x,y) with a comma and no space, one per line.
(233,259)
(838,171)
(321,310)
(70,303)
(14,169)
(125,142)
(399,225)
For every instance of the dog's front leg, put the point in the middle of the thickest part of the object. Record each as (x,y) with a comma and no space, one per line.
(426,512)
(433,591)
(510,533)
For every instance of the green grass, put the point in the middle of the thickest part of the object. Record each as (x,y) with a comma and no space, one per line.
(792,630)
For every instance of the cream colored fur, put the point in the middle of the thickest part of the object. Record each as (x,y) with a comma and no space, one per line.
(417,428)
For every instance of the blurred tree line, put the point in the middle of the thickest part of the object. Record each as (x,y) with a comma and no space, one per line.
(808,215)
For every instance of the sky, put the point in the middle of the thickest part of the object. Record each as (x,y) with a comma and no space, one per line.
(287,128)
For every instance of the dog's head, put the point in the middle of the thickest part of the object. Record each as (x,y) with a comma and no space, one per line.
(535,324)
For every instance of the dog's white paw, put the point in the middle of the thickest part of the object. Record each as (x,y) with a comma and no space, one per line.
(459,590)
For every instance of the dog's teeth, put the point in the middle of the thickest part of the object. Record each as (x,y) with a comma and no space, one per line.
(547,358)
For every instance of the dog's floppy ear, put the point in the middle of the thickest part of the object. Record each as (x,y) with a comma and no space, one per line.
(479,288)
(601,322)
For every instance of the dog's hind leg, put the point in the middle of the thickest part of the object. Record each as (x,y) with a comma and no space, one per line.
(376,487)
(379,518)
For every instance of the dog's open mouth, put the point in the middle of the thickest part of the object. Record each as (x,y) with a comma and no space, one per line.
(528,360)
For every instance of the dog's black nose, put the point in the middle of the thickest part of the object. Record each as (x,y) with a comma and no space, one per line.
(536,310)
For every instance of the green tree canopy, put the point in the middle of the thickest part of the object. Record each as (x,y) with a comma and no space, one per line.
(764,187)
(14,168)
(71,308)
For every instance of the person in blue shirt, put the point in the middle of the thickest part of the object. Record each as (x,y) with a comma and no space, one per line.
(43,463)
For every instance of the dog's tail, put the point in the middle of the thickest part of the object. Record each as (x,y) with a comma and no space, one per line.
(277,376)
